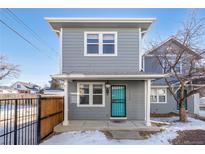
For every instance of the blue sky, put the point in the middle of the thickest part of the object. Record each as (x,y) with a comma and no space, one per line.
(37,66)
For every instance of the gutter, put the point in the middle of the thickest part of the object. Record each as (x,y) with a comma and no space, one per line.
(109,77)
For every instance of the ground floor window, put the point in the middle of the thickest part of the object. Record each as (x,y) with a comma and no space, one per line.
(158,95)
(91,94)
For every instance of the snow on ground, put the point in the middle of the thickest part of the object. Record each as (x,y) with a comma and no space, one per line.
(97,137)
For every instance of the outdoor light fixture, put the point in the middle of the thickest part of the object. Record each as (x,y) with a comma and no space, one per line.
(107,87)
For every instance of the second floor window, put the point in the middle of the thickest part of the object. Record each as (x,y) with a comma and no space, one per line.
(100,44)
(177,68)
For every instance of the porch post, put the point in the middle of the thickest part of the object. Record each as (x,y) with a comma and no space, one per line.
(66,95)
(148,89)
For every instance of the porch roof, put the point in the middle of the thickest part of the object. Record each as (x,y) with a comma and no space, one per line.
(112,76)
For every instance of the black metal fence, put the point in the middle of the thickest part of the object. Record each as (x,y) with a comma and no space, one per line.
(19,121)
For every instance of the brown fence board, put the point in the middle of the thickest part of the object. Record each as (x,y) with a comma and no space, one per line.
(51,114)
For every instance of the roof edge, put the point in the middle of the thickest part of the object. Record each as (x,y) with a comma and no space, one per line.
(113,77)
(78,19)
(147,53)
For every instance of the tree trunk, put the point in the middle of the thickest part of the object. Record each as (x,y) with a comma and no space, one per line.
(182,114)
(182,110)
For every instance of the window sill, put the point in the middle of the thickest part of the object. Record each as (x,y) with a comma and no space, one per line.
(90,105)
(97,55)
(158,102)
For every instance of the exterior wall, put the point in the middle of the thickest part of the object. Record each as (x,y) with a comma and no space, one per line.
(74,61)
(152,65)
(8,91)
(135,103)
(21,88)
(171,105)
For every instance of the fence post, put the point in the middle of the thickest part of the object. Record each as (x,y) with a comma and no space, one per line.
(15,122)
(39,120)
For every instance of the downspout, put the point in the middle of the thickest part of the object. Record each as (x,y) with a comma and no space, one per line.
(60,56)
(66,84)
(141,47)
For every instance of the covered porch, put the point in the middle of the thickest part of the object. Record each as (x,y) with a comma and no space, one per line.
(127,123)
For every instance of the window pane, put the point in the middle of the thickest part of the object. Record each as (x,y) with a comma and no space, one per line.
(97,99)
(108,48)
(92,48)
(84,99)
(97,89)
(161,91)
(108,38)
(166,66)
(153,91)
(177,68)
(84,89)
(161,98)
(167,70)
(153,98)
(92,38)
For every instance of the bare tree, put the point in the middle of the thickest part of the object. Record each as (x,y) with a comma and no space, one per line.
(7,69)
(171,58)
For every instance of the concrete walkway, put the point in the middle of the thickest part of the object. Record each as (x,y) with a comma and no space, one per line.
(85,125)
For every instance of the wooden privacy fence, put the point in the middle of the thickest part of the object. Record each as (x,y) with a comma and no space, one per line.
(51,114)
(28,120)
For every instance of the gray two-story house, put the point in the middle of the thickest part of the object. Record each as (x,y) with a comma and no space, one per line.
(162,101)
(100,64)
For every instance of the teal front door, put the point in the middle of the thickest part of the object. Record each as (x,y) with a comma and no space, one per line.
(118,101)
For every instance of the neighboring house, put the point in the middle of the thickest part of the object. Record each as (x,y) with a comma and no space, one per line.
(162,101)
(100,64)
(7,90)
(24,87)
(50,91)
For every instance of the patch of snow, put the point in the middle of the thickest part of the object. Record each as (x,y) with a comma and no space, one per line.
(97,137)
(160,122)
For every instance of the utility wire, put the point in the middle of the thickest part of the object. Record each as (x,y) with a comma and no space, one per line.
(11,13)
(22,37)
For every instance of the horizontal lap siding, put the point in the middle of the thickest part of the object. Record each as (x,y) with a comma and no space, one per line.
(75,61)
(170,106)
(135,103)
(136,100)
(152,65)
(84,113)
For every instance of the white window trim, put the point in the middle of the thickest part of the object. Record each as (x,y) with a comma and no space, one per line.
(91,94)
(157,102)
(100,43)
